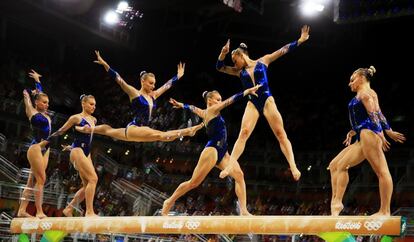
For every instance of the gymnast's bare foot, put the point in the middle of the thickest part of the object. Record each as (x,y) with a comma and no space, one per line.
(196,128)
(100,129)
(336,208)
(41,215)
(380,213)
(295,173)
(84,129)
(43,144)
(24,214)
(91,214)
(166,207)
(68,212)
(245,213)
(191,131)
(226,171)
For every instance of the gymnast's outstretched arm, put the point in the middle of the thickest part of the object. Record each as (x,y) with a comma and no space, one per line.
(269,58)
(131,91)
(169,83)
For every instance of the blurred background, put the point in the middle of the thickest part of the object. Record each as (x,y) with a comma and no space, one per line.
(57,38)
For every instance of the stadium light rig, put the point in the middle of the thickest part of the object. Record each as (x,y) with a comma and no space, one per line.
(124,16)
(312,7)
(111,17)
(241,5)
(362,11)
(234,4)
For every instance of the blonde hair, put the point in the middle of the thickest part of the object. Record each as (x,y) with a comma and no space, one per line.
(143,75)
(371,70)
(84,97)
(242,49)
(38,95)
(207,94)
(368,73)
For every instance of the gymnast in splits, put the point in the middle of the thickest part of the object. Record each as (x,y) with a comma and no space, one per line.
(143,104)
(252,72)
(38,152)
(80,155)
(368,125)
(215,153)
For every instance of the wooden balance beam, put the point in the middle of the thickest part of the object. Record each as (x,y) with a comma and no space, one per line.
(309,225)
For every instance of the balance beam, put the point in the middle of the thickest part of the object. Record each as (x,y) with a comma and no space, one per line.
(310,225)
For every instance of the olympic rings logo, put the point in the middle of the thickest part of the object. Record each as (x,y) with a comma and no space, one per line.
(192,225)
(45,225)
(373,225)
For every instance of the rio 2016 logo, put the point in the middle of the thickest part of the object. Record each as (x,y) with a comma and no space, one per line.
(34,225)
(191,224)
(348,225)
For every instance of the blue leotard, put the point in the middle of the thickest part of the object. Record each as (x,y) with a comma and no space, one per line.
(260,76)
(217,136)
(142,112)
(83,140)
(359,118)
(41,129)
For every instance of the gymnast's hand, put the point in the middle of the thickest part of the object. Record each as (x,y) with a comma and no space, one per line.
(26,94)
(385,144)
(304,34)
(99,60)
(396,136)
(180,70)
(252,90)
(226,48)
(36,76)
(175,103)
(348,138)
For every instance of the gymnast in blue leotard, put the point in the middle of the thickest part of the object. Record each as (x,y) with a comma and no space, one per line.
(253,72)
(260,77)
(143,102)
(38,152)
(83,140)
(80,155)
(360,119)
(40,125)
(215,153)
(217,136)
(368,125)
